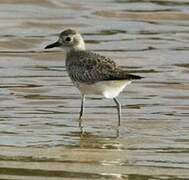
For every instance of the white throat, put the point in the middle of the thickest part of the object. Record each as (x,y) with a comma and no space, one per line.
(79,47)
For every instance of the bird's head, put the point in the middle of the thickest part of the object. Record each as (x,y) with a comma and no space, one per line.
(69,39)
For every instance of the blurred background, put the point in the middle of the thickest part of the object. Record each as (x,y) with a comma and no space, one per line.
(39,134)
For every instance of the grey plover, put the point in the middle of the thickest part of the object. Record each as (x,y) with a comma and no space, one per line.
(92,73)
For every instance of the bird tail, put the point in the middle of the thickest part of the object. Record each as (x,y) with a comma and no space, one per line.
(133,77)
(120,74)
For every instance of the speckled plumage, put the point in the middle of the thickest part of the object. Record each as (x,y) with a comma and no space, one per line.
(89,67)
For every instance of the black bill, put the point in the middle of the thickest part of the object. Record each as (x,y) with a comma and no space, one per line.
(56,44)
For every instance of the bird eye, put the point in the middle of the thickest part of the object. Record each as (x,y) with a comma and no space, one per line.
(67,39)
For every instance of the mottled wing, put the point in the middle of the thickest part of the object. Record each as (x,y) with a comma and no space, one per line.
(88,67)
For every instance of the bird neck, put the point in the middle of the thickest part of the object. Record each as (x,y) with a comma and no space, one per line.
(79,47)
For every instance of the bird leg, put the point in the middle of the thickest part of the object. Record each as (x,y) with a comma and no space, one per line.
(118,110)
(82,108)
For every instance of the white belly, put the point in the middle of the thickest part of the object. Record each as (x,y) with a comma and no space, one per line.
(108,89)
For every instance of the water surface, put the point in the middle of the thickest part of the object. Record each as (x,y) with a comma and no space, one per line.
(40,137)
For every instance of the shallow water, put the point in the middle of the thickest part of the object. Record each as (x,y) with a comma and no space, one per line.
(39,133)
